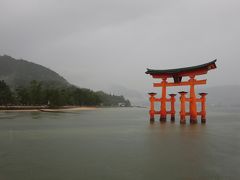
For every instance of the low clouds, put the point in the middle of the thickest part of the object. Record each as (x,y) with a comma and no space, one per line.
(101,43)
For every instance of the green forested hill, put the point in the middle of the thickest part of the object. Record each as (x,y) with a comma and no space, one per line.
(21,73)
(26,83)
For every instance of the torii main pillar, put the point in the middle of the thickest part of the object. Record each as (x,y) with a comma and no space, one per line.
(163,111)
(192,100)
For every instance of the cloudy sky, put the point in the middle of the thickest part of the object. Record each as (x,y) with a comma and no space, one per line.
(107,44)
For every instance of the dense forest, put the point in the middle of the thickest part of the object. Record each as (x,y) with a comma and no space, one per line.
(37,93)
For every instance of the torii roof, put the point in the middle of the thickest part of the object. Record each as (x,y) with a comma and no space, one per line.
(177,74)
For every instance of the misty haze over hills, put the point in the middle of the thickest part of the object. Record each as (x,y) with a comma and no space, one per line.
(218,96)
(221,96)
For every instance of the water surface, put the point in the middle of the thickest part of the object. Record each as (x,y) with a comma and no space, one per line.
(117,144)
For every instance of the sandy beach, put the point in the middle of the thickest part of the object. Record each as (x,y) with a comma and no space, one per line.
(68,109)
(44,109)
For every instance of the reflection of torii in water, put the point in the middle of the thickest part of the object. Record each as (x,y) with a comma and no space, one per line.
(177,75)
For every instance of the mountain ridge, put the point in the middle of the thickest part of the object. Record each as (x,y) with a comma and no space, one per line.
(19,72)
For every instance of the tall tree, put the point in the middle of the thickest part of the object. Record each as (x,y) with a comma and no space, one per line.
(6,96)
(35,92)
(22,96)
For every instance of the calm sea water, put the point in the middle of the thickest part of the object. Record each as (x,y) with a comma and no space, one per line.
(117,144)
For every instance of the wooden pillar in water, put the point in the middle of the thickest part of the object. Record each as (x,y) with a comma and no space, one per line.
(152,109)
(203,107)
(193,102)
(163,111)
(183,107)
(172,112)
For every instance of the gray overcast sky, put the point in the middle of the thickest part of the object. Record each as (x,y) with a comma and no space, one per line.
(103,44)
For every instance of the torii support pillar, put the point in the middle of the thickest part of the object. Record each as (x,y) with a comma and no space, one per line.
(152,109)
(203,104)
(183,107)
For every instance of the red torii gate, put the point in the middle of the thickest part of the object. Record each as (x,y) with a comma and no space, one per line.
(177,75)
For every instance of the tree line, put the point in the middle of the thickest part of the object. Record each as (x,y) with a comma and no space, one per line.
(37,94)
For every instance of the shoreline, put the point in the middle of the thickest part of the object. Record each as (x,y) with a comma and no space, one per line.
(44,108)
